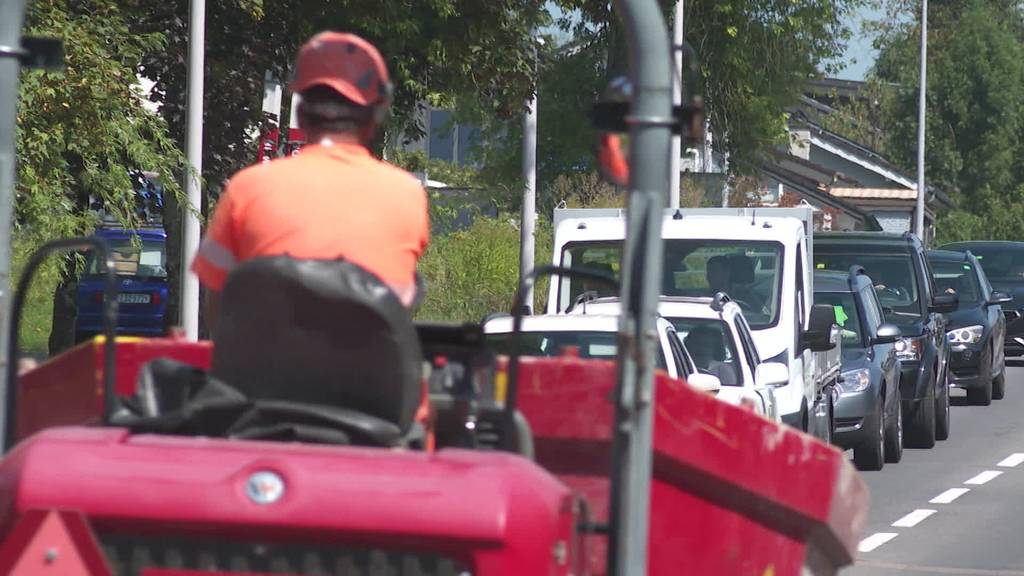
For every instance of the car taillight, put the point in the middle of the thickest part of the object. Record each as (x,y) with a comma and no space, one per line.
(98,297)
(155,299)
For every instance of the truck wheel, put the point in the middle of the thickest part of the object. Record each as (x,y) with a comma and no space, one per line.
(981,395)
(894,434)
(942,415)
(870,454)
(922,422)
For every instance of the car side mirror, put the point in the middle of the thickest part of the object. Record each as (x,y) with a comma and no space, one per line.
(819,336)
(771,375)
(998,297)
(705,383)
(944,303)
(887,334)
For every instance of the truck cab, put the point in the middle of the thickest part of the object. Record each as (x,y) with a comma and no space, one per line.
(761,259)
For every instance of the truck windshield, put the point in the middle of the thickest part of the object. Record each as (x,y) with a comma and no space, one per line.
(711,347)
(145,260)
(597,345)
(748,271)
(959,278)
(893,276)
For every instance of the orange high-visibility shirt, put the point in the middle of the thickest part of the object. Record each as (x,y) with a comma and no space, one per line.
(333,200)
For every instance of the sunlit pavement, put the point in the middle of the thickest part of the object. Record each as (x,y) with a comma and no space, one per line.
(959,507)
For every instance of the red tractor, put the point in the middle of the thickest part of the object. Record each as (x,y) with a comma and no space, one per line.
(288,445)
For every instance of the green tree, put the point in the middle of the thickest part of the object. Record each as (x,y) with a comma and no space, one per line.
(974,113)
(82,133)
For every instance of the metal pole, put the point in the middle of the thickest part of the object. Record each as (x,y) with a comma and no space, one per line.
(677,99)
(12,16)
(650,120)
(194,151)
(528,216)
(921,189)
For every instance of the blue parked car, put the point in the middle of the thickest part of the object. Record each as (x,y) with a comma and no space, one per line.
(142,272)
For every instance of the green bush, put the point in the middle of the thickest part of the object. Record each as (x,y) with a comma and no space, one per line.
(37,317)
(473,272)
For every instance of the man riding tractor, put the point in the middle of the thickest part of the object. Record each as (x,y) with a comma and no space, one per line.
(334,200)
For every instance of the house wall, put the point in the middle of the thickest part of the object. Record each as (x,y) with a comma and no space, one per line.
(893,221)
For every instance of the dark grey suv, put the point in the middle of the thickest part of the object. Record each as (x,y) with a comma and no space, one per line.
(869,411)
(897,265)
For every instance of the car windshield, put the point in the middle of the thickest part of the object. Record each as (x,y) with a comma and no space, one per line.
(1001,264)
(894,279)
(957,278)
(847,316)
(749,272)
(711,347)
(147,259)
(593,344)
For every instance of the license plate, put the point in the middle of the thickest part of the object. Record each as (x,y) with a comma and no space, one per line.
(133,298)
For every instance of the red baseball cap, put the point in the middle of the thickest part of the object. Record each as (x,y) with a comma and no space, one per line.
(345,63)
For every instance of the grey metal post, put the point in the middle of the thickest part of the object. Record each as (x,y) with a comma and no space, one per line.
(528,215)
(650,122)
(194,151)
(921,189)
(12,16)
(677,99)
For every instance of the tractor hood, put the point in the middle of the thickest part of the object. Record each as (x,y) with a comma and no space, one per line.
(466,505)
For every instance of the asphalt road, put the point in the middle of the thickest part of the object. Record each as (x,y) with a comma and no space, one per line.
(957,508)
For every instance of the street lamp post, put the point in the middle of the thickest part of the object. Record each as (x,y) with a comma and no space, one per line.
(677,99)
(919,211)
(194,152)
(528,215)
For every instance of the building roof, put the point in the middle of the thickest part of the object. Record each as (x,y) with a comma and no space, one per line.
(809,188)
(875,193)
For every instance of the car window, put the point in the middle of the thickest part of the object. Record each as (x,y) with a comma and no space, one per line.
(750,272)
(1001,263)
(957,278)
(147,259)
(747,341)
(872,310)
(683,369)
(894,277)
(847,316)
(591,344)
(711,347)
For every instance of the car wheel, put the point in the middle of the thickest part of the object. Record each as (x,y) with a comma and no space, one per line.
(870,454)
(981,395)
(922,422)
(942,414)
(999,383)
(894,434)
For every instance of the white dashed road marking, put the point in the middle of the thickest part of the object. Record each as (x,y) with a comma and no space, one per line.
(983,477)
(913,519)
(1012,461)
(949,495)
(875,540)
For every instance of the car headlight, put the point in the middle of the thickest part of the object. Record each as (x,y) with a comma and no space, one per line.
(853,381)
(908,349)
(966,335)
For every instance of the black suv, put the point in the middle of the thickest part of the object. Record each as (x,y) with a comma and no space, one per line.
(869,412)
(1003,263)
(903,282)
(976,329)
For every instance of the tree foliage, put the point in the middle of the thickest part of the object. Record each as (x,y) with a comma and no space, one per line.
(83,134)
(975,110)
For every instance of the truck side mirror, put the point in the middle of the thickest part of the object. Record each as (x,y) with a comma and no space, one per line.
(887,334)
(818,336)
(944,303)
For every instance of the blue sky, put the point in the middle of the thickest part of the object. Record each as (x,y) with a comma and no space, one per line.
(859,52)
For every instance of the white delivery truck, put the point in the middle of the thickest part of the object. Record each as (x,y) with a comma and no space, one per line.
(760,257)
